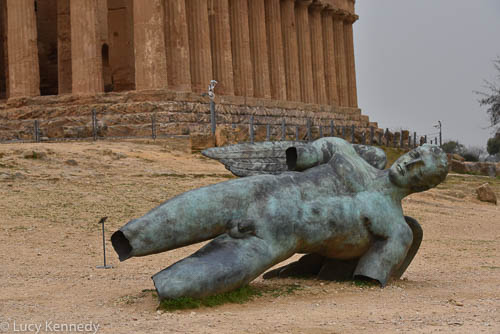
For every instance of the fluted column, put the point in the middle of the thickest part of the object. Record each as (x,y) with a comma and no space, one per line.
(275,50)
(290,50)
(329,57)
(304,43)
(199,45)
(85,48)
(350,63)
(24,73)
(177,45)
(258,48)
(318,63)
(149,38)
(240,40)
(64,47)
(3,52)
(220,37)
(340,60)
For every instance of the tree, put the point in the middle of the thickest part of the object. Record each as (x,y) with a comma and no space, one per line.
(494,145)
(453,147)
(491,99)
(473,153)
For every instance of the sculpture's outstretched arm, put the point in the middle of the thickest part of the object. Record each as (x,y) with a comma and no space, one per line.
(386,253)
(418,234)
(224,264)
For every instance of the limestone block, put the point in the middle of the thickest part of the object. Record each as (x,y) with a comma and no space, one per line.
(227,135)
(486,194)
(201,141)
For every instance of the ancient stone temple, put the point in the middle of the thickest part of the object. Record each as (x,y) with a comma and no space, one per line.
(127,59)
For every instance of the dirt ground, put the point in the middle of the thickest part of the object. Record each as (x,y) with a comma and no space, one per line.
(50,245)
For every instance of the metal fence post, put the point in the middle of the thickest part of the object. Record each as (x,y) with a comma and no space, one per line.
(332,129)
(94,124)
(343,132)
(309,132)
(211,95)
(401,142)
(380,139)
(268,132)
(153,126)
(251,130)
(353,128)
(283,130)
(425,139)
(364,137)
(414,139)
(321,131)
(36,131)
(394,141)
(297,132)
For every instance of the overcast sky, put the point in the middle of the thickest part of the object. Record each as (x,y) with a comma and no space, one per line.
(420,61)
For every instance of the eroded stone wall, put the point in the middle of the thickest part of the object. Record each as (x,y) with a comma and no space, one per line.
(129,114)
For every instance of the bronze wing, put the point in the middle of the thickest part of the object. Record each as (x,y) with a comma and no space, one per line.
(270,157)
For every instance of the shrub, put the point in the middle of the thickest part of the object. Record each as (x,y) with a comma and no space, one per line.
(493,146)
(453,147)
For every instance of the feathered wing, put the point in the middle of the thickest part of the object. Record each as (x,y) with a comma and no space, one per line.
(253,159)
(270,157)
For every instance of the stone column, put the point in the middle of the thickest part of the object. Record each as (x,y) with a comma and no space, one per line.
(329,57)
(350,63)
(340,61)
(304,43)
(220,36)
(240,40)
(4,73)
(199,45)
(24,72)
(64,47)
(149,39)
(85,48)
(317,52)
(290,50)
(258,48)
(177,45)
(275,50)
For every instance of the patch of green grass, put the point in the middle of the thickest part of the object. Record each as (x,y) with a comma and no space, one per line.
(286,290)
(237,296)
(365,283)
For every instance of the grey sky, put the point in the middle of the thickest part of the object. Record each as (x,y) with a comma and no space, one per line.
(419,61)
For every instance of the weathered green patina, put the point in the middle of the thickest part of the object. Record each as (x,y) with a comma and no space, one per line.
(338,207)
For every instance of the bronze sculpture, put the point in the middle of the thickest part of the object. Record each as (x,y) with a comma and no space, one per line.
(339,208)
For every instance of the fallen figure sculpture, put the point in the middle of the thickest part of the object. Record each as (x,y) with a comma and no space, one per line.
(336,204)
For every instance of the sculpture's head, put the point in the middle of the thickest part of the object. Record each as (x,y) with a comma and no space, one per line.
(420,169)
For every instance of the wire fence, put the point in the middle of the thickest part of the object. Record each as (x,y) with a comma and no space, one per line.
(278,132)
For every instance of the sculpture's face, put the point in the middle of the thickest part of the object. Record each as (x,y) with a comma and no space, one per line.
(420,169)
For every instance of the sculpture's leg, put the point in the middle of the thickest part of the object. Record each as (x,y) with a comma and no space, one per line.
(224,264)
(195,216)
(415,245)
(385,254)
